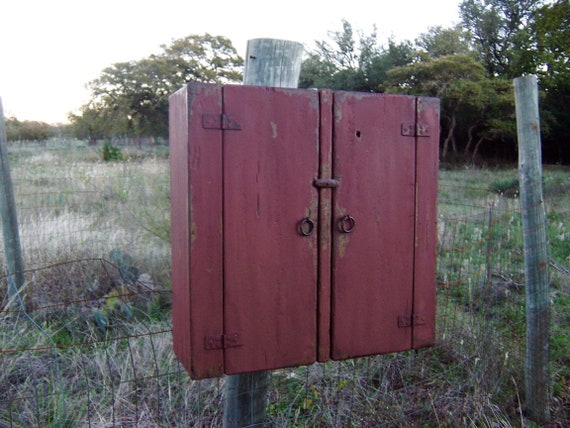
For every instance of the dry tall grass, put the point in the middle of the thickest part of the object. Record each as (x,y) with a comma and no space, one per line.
(93,346)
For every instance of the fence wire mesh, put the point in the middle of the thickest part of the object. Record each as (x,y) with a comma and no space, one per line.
(88,341)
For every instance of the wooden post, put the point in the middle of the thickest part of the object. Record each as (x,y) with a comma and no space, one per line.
(12,248)
(537,380)
(271,62)
(276,63)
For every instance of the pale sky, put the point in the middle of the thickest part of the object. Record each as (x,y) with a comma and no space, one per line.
(51,48)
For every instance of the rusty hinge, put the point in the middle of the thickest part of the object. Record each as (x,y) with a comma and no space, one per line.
(222,341)
(219,121)
(405,321)
(327,183)
(420,129)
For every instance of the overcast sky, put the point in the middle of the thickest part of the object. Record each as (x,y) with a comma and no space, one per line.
(51,48)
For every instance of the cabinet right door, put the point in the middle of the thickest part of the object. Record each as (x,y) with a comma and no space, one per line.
(376,224)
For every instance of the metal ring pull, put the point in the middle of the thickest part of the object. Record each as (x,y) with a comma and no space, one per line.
(346,224)
(306,227)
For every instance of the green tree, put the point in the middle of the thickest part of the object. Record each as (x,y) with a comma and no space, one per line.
(500,33)
(394,55)
(90,124)
(131,98)
(464,88)
(476,108)
(337,62)
(28,130)
(439,41)
(490,119)
(315,72)
(207,58)
(551,28)
(343,62)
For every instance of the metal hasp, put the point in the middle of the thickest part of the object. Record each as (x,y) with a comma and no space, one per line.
(308,235)
(326,183)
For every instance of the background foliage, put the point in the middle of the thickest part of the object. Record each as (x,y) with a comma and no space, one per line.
(90,343)
(469,66)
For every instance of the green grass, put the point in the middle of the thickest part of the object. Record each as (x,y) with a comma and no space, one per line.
(75,209)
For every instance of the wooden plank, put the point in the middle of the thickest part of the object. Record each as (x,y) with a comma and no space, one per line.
(372,265)
(179,219)
(196,228)
(270,270)
(325,213)
(425,252)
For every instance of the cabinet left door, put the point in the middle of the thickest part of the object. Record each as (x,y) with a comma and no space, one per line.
(270,214)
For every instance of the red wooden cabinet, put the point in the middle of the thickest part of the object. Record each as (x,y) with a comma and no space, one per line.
(303,225)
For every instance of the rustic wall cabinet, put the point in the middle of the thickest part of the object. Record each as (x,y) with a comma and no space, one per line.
(303,225)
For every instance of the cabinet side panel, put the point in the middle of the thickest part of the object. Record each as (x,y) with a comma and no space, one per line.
(427,162)
(196,162)
(179,220)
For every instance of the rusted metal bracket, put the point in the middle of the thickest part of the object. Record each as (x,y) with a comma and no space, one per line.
(420,129)
(222,341)
(405,321)
(220,121)
(326,183)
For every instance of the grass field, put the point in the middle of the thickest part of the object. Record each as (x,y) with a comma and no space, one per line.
(93,346)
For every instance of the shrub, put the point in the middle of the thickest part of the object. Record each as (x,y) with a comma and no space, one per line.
(111,153)
(508,187)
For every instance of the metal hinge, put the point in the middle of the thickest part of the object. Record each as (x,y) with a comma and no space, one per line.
(405,321)
(219,121)
(419,129)
(222,341)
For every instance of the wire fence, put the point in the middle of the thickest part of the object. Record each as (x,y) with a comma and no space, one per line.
(88,341)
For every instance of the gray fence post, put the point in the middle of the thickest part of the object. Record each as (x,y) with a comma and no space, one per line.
(537,379)
(12,248)
(277,63)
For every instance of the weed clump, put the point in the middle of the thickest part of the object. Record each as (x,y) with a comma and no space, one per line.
(110,153)
(508,187)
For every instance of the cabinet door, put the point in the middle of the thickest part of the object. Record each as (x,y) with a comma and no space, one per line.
(270,266)
(373,224)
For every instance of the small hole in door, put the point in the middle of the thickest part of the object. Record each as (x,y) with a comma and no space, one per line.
(358,134)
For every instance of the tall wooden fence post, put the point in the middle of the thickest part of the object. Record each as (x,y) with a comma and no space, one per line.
(12,248)
(276,63)
(537,379)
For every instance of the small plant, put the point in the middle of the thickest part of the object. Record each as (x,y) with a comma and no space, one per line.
(508,187)
(111,153)
(129,272)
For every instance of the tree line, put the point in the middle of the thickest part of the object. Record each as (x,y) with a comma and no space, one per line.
(470,67)
(33,130)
